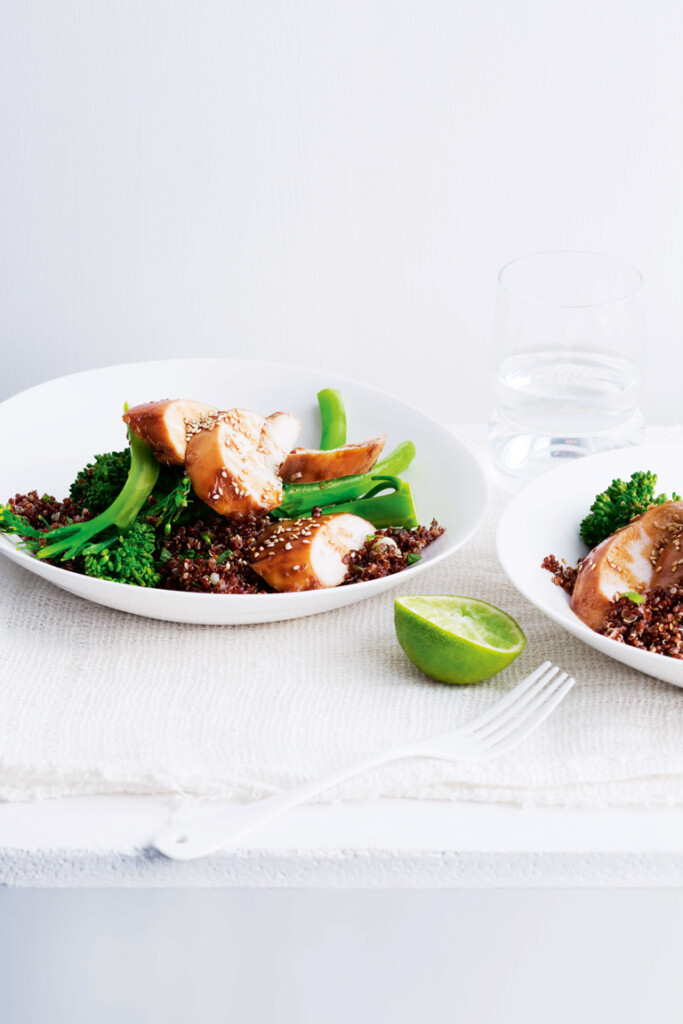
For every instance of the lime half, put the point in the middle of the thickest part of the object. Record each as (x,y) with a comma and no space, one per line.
(456,639)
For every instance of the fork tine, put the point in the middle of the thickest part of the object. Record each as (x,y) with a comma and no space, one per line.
(508,699)
(513,712)
(533,717)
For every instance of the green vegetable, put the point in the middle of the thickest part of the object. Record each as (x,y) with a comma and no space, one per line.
(126,558)
(10,522)
(619,504)
(66,542)
(397,461)
(300,499)
(167,509)
(98,483)
(633,596)
(332,419)
(395,509)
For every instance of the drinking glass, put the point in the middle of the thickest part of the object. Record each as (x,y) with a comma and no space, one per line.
(567,348)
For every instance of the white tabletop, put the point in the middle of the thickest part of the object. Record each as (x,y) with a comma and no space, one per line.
(103,841)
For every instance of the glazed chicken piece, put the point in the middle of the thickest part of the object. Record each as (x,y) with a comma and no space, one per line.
(279,435)
(308,554)
(232,459)
(161,425)
(669,568)
(627,560)
(309,465)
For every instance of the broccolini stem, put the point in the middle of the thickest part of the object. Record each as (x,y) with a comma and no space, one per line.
(332,419)
(68,541)
(395,509)
(300,499)
(397,461)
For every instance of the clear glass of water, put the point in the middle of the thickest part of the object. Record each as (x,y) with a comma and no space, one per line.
(567,349)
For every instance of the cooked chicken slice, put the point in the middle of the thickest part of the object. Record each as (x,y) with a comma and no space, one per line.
(625,561)
(308,465)
(279,435)
(161,425)
(307,554)
(669,567)
(228,466)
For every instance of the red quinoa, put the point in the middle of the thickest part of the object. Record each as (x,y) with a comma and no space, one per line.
(654,625)
(563,575)
(212,555)
(376,559)
(44,513)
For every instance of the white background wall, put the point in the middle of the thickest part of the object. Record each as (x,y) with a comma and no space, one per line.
(332,183)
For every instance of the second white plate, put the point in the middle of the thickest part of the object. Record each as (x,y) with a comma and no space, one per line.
(543,519)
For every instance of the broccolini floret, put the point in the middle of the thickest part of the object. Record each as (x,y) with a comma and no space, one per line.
(619,504)
(99,483)
(169,506)
(17,525)
(126,558)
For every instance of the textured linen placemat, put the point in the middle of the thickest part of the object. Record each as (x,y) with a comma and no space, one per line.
(95,701)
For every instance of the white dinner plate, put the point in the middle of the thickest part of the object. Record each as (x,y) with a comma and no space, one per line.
(49,432)
(543,519)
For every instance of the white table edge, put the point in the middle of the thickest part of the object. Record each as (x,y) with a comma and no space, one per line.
(103,841)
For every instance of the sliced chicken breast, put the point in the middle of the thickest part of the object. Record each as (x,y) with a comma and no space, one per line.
(229,467)
(279,435)
(309,465)
(162,425)
(308,554)
(625,561)
(669,568)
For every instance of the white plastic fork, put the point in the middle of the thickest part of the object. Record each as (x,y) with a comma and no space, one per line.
(498,730)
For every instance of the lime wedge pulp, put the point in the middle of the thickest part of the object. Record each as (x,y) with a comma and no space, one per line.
(456,639)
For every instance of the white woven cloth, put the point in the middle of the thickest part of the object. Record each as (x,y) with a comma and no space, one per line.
(95,701)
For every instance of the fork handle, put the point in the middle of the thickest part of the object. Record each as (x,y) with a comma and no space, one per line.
(203,836)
